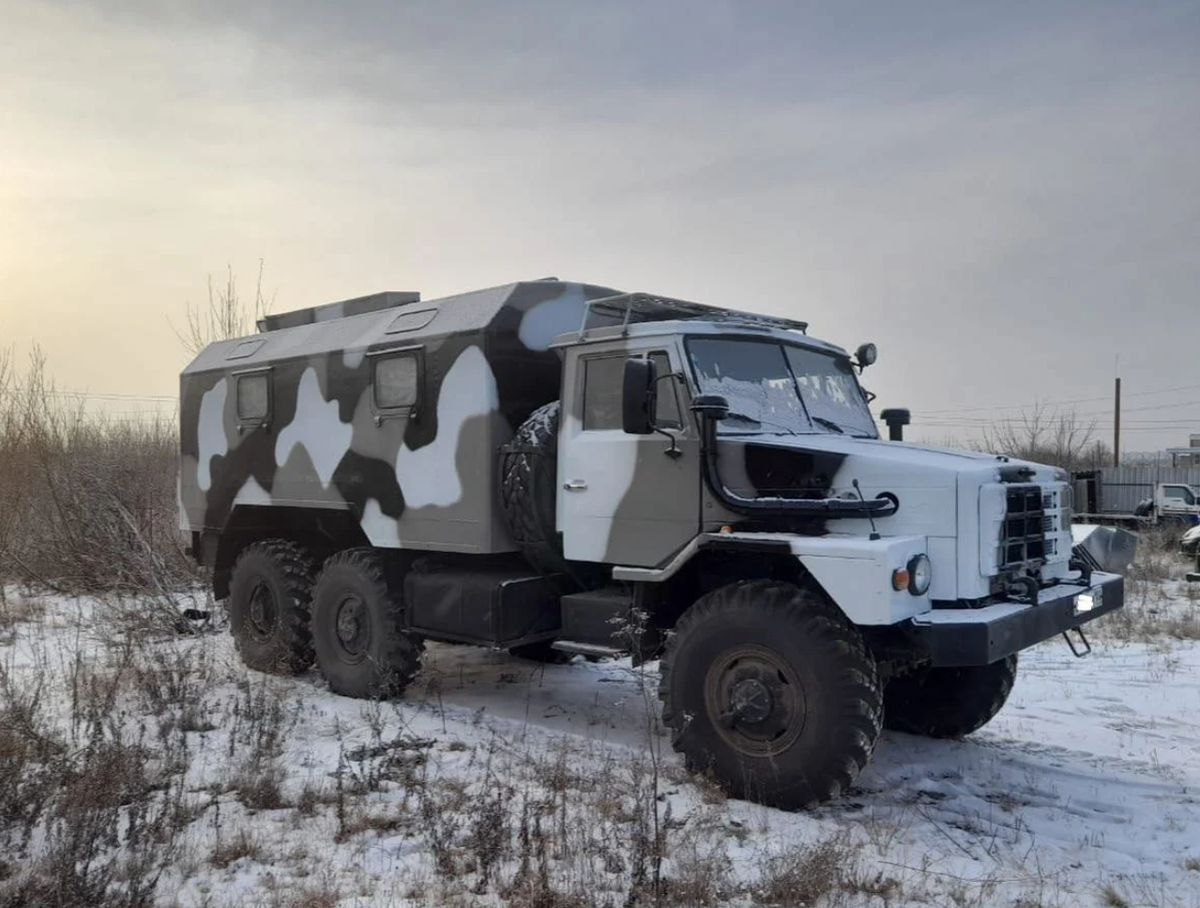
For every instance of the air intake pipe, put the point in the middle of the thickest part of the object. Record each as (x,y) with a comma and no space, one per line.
(896,421)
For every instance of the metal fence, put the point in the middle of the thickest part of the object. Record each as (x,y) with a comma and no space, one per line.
(1121,488)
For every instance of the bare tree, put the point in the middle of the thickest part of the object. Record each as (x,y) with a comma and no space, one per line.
(1057,437)
(226,315)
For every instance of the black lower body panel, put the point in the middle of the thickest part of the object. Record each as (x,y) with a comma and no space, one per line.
(490,606)
(981,636)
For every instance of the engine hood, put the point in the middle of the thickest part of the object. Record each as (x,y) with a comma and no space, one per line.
(940,493)
(779,464)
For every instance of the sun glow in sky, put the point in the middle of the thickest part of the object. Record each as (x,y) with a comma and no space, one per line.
(1004,200)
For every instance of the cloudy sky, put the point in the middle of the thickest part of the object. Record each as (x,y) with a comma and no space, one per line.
(1006,199)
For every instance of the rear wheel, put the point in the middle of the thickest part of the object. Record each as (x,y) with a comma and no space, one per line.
(269,607)
(948,702)
(361,647)
(772,691)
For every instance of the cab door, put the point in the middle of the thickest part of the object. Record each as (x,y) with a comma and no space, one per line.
(625,499)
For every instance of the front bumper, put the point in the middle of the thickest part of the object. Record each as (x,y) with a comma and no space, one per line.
(981,636)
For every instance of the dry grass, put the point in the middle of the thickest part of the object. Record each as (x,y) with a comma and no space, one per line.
(86,504)
(1111,897)
(808,874)
(241,846)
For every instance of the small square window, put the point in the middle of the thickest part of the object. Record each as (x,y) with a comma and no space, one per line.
(396,382)
(253,397)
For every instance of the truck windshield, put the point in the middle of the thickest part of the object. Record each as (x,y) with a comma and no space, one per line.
(780,388)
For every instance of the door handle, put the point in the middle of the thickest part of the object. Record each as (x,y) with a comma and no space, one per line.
(575,485)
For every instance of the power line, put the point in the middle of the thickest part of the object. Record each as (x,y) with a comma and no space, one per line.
(98,395)
(1060,403)
(1095,413)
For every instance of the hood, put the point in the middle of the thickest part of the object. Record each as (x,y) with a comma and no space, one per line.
(903,461)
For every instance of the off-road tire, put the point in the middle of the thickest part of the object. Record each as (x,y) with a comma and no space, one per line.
(272,634)
(529,488)
(357,626)
(948,702)
(815,654)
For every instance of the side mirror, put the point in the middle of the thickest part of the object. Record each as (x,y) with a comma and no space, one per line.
(866,354)
(639,396)
(710,406)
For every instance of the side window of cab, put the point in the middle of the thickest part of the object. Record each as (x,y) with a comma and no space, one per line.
(602,380)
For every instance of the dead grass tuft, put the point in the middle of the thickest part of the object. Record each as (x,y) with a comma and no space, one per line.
(241,846)
(806,874)
(1112,897)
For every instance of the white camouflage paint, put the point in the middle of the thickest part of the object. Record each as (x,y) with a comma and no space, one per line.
(211,431)
(381,530)
(252,493)
(607,461)
(317,427)
(545,321)
(429,475)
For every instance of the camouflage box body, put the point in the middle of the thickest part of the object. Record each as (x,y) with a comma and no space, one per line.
(419,475)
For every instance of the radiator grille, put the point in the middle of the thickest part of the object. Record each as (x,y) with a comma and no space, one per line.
(1026,524)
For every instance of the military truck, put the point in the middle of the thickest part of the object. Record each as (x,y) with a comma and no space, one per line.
(554,468)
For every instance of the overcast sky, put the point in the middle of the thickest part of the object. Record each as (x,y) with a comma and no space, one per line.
(1005,200)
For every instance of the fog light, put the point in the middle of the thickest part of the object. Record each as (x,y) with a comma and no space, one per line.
(920,573)
(1085,602)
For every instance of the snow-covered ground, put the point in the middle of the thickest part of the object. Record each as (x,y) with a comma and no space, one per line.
(500,781)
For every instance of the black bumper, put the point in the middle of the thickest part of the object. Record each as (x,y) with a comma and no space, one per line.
(983,635)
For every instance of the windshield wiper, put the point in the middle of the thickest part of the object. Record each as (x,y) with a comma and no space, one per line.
(828,424)
(733,414)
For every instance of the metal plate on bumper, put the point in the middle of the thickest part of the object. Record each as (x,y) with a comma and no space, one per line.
(983,635)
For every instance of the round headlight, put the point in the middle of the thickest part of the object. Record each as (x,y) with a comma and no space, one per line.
(920,575)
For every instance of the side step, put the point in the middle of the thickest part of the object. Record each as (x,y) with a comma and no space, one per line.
(595,650)
(595,619)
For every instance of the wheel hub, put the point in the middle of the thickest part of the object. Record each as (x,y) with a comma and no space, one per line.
(755,700)
(263,612)
(751,701)
(353,629)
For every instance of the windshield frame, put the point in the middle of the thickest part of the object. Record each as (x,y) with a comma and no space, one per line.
(767,428)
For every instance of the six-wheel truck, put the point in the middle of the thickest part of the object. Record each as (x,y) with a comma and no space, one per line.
(551,467)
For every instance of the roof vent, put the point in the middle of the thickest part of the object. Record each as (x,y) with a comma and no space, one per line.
(360,305)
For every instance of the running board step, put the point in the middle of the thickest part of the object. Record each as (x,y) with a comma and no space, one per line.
(586,649)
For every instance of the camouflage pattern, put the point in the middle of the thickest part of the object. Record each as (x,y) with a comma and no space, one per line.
(423,481)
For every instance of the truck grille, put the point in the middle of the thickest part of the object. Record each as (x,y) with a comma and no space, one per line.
(1026,525)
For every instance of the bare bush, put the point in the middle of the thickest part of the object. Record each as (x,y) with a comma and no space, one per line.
(225,316)
(1059,438)
(86,504)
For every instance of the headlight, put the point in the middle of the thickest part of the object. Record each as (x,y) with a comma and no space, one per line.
(920,575)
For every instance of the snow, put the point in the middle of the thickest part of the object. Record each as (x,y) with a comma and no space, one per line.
(1089,778)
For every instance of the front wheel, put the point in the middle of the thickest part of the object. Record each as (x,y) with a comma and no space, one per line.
(948,702)
(771,690)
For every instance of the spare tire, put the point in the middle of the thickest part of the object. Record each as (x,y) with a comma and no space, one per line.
(529,488)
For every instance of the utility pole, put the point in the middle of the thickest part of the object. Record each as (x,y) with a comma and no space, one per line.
(1117,425)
